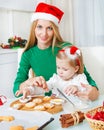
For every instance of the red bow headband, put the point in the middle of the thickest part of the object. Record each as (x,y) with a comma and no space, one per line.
(72,53)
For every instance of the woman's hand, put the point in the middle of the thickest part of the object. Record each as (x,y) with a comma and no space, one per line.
(72,89)
(36,81)
(25,91)
(91,92)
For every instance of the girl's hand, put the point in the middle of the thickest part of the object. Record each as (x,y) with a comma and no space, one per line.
(40,82)
(72,89)
(91,92)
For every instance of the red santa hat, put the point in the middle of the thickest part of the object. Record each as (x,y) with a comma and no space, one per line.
(47,12)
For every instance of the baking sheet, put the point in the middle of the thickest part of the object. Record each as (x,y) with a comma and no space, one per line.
(25,118)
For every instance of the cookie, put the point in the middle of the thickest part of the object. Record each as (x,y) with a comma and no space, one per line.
(30,104)
(6,118)
(46,98)
(17,106)
(57,101)
(48,105)
(16,127)
(25,100)
(39,107)
(37,100)
(33,128)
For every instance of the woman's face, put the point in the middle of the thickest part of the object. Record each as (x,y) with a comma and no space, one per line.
(64,69)
(44,33)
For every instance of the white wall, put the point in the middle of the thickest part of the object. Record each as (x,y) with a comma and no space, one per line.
(27,5)
(94,61)
(23,5)
(14,23)
(15,18)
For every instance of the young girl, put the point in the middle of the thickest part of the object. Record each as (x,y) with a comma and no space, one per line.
(69,75)
(70,72)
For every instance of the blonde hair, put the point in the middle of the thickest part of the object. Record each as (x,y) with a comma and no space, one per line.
(56,41)
(77,61)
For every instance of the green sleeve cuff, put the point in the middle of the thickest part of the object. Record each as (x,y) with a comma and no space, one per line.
(48,93)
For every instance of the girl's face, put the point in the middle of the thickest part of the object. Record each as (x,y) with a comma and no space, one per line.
(44,33)
(64,69)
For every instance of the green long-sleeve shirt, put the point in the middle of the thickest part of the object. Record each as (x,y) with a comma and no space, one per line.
(42,62)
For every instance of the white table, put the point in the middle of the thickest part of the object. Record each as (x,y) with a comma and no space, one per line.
(55,125)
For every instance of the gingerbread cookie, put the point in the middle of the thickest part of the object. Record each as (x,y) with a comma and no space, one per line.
(37,100)
(30,104)
(47,98)
(25,100)
(39,108)
(6,118)
(33,128)
(49,105)
(17,128)
(17,106)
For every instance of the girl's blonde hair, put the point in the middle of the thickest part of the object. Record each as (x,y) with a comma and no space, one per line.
(77,61)
(56,41)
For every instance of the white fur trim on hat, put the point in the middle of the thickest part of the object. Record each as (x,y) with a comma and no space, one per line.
(44,16)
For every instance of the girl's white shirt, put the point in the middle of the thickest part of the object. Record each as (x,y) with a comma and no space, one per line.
(56,82)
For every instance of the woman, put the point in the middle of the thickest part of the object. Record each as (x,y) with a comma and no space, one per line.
(41,49)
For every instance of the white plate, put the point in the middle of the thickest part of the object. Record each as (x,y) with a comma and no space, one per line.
(25,118)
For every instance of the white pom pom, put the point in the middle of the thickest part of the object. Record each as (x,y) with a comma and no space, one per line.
(78,52)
